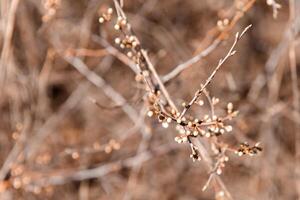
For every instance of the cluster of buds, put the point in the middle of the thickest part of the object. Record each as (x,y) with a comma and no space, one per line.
(50,6)
(122,24)
(206,127)
(112,145)
(193,127)
(153,103)
(16,134)
(130,43)
(275,7)
(106,16)
(181,139)
(127,42)
(222,24)
(246,149)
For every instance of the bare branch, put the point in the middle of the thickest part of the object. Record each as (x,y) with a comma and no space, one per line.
(99,82)
(180,68)
(102,170)
(230,53)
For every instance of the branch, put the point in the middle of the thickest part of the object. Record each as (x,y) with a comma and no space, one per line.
(230,53)
(100,171)
(160,83)
(100,83)
(181,67)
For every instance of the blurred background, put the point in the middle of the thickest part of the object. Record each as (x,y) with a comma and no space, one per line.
(62,136)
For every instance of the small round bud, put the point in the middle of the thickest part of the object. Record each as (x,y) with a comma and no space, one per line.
(117,40)
(219,23)
(226,22)
(228,128)
(215,100)
(117,26)
(146,73)
(229,107)
(129,54)
(169,120)
(173,111)
(202,132)
(101,20)
(150,113)
(123,22)
(75,155)
(195,133)
(134,43)
(165,125)
(109,10)
(131,38)
(200,102)
(184,139)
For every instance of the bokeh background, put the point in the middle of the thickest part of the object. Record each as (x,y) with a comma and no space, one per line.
(57,143)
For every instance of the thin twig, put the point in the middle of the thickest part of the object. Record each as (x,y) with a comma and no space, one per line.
(161,85)
(209,165)
(181,67)
(116,53)
(230,53)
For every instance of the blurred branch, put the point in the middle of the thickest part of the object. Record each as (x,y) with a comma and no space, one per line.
(53,121)
(294,14)
(87,52)
(80,175)
(115,52)
(6,50)
(181,67)
(275,56)
(99,82)
(14,154)
(203,53)
(27,150)
(209,166)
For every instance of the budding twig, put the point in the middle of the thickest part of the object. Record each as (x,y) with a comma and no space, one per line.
(230,53)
